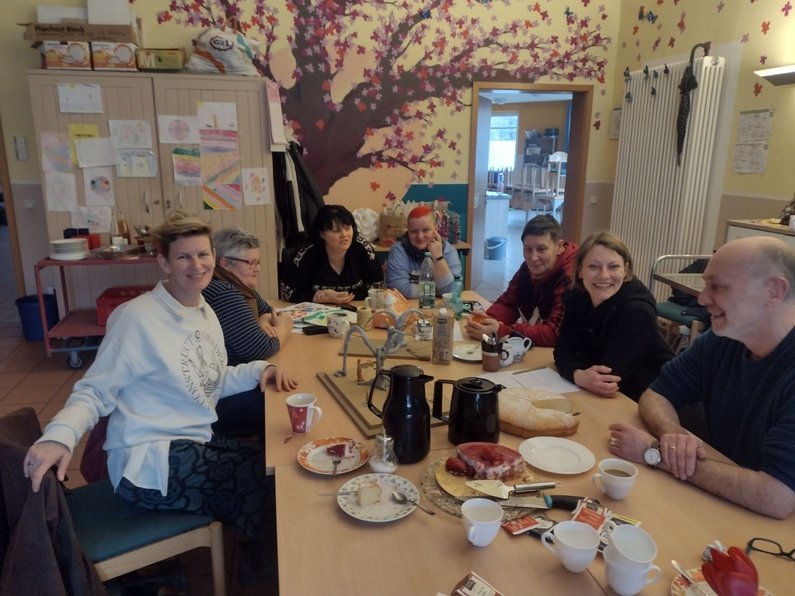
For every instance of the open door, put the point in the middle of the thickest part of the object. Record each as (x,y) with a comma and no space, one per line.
(579,132)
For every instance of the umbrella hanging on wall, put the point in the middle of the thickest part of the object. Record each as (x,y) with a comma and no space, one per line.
(686,85)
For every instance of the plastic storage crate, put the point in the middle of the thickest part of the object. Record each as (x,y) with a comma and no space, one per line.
(112,297)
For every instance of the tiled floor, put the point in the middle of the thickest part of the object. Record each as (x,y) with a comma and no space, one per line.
(29,378)
(497,274)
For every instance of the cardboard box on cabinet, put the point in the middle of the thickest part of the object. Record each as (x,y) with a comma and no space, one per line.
(108,55)
(73,55)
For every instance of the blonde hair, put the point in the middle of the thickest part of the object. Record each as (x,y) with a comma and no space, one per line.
(179,224)
(608,240)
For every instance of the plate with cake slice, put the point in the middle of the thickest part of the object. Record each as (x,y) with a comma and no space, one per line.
(318,456)
(369,497)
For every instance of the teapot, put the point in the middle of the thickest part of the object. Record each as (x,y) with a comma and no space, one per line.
(474,409)
(406,414)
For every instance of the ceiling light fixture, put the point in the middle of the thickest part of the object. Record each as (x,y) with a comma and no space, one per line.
(781,75)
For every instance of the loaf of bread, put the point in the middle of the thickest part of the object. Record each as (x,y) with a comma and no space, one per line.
(536,412)
(368,493)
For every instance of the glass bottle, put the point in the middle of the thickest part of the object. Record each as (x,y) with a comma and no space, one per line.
(383,458)
(455,298)
(124,229)
(427,294)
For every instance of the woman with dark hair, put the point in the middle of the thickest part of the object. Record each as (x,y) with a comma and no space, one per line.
(337,266)
(609,340)
(407,254)
(159,373)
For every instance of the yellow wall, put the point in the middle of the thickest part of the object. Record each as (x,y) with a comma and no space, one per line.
(696,21)
(630,47)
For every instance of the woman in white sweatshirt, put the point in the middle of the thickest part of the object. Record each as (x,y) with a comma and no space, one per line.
(159,373)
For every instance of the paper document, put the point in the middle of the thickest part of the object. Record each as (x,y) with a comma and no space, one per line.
(545,378)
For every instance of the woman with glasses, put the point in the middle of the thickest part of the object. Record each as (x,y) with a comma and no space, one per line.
(252,329)
(609,340)
(336,267)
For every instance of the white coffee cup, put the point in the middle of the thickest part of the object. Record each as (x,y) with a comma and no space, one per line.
(338,324)
(375,298)
(615,478)
(575,545)
(508,354)
(482,519)
(627,580)
(632,545)
(303,412)
(521,344)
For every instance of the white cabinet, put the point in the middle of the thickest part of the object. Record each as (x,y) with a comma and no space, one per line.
(144,96)
(745,228)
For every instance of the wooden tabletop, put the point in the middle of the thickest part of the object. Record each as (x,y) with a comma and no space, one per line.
(323,550)
(690,283)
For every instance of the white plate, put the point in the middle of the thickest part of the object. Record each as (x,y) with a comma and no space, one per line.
(557,455)
(468,352)
(386,509)
(70,256)
(313,456)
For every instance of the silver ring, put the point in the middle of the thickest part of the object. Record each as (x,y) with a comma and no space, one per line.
(613,441)
(673,447)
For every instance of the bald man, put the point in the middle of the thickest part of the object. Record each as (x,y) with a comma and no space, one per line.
(743,372)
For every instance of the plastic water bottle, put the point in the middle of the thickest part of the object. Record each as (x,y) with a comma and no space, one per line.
(427,282)
(455,298)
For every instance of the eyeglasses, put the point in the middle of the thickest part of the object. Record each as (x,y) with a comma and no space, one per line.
(252,263)
(770,547)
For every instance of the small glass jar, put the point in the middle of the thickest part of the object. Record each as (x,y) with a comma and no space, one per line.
(383,458)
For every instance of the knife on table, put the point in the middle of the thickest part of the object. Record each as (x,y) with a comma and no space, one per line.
(500,490)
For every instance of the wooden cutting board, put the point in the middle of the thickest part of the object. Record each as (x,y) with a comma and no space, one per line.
(456,485)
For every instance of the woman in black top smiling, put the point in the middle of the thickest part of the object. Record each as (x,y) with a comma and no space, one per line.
(336,267)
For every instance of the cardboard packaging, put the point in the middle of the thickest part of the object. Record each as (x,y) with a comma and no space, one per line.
(71,55)
(108,12)
(63,32)
(156,59)
(108,55)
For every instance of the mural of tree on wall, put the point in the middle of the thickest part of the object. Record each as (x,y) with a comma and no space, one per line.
(412,59)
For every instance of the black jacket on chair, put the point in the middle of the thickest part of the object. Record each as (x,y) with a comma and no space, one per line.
(38,546)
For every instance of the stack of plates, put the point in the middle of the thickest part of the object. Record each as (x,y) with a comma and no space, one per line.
(71,249)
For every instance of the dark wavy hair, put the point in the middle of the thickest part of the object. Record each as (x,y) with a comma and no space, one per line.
(329,215)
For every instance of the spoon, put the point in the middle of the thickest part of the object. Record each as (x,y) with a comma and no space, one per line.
(402,499)
(688,577)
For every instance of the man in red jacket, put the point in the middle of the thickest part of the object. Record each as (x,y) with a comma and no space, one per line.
(532,305)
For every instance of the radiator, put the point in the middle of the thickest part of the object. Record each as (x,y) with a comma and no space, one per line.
(659,206)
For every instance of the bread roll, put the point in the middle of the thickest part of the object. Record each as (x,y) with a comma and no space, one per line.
(368,493)
(536,412)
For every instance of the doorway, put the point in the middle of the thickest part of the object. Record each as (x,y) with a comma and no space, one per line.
(565,200)
(11,277)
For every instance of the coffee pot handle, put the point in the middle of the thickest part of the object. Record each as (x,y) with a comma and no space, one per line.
(437,399)
(372,407)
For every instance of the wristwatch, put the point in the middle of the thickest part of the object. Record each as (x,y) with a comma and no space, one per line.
(652,455)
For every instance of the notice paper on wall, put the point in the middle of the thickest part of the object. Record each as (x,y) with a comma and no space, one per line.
(55,152)
(79,98)
(216,115)
(178,130)
(96,152)
(256,190)
(278,139)
(95,217)
(98,186)
(61,191)
(187,168)
(130,134)
(220,169)
(753,134)
(80,131)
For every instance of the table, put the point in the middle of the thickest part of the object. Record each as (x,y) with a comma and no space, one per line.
(690,283)
(323,550)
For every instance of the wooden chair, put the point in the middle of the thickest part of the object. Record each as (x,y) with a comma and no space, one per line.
(118,537)
(556,167)
(679,328)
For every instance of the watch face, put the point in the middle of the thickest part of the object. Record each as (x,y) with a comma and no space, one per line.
(652,456)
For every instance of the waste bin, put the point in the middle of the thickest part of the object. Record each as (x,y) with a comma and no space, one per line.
(495,248)
(28,307)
